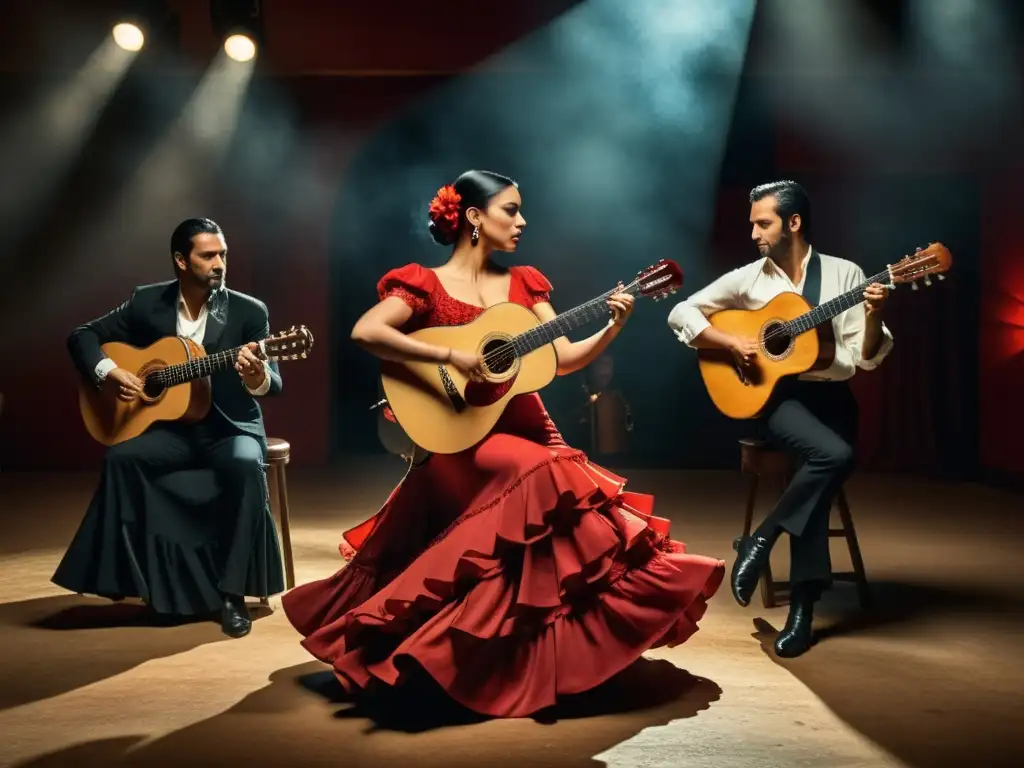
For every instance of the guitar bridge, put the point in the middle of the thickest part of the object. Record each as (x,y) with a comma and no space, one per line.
(457,401)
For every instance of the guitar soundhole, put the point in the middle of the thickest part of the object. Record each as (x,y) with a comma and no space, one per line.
(776,340)
(499,356)
(152,387)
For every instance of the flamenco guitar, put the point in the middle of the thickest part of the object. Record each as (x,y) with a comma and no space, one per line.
(443,411)
(175,375)
(788,337)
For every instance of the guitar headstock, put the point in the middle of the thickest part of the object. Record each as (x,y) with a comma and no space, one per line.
(292,344)
(933,260)
(659,280)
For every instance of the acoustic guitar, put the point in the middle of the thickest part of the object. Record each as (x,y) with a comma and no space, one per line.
(175,372)
(789,339)
(442,411)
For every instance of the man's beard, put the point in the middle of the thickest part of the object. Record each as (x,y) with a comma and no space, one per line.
(781,248)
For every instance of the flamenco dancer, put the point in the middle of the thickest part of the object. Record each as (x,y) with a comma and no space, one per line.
(516,571)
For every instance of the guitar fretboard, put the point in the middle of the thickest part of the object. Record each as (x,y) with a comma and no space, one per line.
(825,312)
(196,368)
(545,333)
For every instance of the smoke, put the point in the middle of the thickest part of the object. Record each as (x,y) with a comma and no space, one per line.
(952,78)
(613,119)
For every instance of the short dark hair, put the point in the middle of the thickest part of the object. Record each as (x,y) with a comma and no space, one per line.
(790,198)
(181,238)
(476,188)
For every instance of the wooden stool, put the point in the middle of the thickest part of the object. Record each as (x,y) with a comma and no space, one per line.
(757,458)
(279,453)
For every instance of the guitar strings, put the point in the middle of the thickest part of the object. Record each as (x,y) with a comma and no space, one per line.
(507,352)
(167,376)
(785,329)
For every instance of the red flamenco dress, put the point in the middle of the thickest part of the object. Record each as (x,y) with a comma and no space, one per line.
(513,572)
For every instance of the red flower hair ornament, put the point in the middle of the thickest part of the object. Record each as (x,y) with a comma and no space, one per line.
(444,208)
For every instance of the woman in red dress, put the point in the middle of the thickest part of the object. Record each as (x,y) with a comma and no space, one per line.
(516,571)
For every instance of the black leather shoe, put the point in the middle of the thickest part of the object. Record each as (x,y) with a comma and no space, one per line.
(796,637)
(752,553)
(234,617)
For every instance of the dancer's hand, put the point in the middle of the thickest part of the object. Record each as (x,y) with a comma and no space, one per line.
(470,364)
(621,305)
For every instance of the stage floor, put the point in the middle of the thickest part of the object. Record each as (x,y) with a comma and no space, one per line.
(932,676)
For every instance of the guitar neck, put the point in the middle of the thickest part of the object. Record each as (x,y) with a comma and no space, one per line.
(545,333)
(198,367)
(825,312)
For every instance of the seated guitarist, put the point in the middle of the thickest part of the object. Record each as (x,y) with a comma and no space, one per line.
(139,537)
(813,416)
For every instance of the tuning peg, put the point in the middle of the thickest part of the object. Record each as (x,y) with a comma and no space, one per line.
(940,277)
(928,280)
(913,286)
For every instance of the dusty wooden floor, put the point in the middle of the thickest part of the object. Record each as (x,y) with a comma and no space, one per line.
(931,677)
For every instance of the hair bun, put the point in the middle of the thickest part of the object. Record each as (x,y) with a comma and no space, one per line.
(440,235)
(444,215)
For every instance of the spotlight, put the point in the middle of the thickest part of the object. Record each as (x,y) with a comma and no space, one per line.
(142,19)
(240,24)
(240,47)
(129,36)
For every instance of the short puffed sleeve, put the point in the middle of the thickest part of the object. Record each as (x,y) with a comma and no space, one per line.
(412,284)
(536,287)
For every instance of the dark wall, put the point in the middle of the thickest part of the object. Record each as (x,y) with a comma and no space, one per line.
(946,400)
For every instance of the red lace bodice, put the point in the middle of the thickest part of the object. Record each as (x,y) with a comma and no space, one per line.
(432,306)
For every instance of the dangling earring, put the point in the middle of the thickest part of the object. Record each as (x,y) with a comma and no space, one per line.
(476,235)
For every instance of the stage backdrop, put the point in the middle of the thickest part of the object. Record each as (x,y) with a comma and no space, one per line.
(946,401)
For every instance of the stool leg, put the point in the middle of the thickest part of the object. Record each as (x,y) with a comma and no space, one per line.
(767,584)
(748,521)
(863,592)
(286,529)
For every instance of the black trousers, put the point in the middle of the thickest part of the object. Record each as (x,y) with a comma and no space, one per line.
(179,540)
(816,423)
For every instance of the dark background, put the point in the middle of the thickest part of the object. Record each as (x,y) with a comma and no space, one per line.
(357,113)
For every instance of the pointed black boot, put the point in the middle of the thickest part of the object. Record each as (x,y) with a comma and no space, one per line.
(234,617)
(797,637)
(752,554)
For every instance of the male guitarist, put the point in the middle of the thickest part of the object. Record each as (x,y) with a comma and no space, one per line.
(813,416)
(140,537)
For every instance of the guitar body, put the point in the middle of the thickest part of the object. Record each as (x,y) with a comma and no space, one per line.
(110,420)
(742,394)
(439,408)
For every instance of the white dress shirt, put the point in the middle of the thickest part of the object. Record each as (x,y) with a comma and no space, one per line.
(755,284)
(194,329)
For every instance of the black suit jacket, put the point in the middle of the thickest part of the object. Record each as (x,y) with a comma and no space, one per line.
(151,313)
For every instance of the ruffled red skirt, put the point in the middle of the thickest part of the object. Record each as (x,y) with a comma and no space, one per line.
(512,574)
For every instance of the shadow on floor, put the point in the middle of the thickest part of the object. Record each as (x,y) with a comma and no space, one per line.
(284,723)
(947,708)
(53,645)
